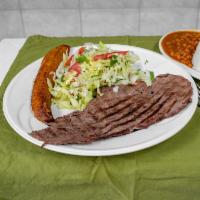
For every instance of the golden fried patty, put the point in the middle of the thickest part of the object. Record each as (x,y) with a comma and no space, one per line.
(41,97)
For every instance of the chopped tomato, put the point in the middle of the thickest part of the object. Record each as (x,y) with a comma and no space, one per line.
(109,55)
(68,62)
(81,50)
(76,67)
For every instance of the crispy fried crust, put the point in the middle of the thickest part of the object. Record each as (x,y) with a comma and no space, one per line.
(41,97)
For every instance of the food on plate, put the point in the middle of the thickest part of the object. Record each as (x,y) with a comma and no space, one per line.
(119,110)
(80,76)
(181,45)
(108,91)
(41,97)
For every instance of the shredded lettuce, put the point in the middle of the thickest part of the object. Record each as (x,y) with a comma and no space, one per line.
(72,91)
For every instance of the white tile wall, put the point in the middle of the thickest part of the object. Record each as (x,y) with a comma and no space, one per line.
(9,4)
(58,22)
(105,4)
(170,3)
(11,24)
(96,17)
(198,25)
(44,4)
(110,22)
(158,21)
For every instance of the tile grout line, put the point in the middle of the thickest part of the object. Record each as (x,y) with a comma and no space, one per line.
(132,8)
(20,10)
(15,9)
(80,18)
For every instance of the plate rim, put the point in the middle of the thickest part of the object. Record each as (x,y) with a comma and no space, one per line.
(192,72)
(85,152)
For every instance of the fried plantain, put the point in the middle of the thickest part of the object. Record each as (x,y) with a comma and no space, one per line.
(41,97)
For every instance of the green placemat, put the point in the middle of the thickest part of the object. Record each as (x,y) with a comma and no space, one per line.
(170,170)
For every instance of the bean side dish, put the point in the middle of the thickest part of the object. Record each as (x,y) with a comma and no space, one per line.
(181,45)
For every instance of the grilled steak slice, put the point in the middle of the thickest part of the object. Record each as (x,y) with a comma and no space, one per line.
(112,102)
(181,92)
(133,107)
(126,126)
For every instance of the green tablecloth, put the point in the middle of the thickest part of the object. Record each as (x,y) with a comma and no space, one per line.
(170,170)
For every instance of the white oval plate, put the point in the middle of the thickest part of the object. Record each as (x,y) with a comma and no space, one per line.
(17,110)
(193,72)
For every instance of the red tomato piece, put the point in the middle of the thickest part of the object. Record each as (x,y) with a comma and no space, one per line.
(76,67)
(81,50)
(68,62)
(109,55)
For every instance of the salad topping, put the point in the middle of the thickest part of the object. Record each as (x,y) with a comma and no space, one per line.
(79,77)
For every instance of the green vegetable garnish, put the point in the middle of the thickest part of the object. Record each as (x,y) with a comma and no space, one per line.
(102,45)
(113,60)
(152,77)
(81,59)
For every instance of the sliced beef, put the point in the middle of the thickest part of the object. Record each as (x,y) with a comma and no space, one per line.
(112,102)
(181,92)
(132,108)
